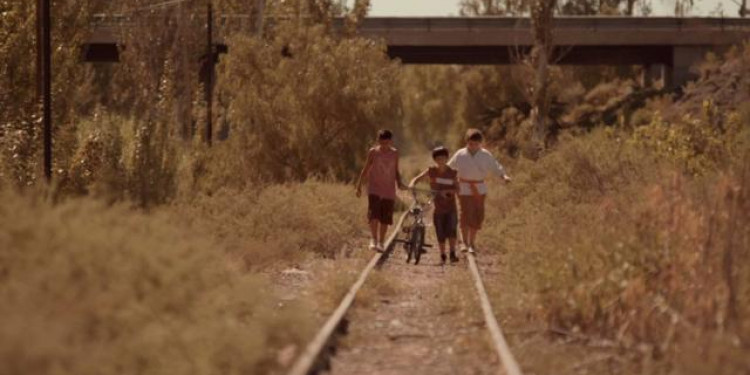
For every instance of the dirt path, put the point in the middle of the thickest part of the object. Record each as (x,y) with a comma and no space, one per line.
(430,325)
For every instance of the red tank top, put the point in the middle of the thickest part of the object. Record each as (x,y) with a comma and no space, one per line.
(381,180)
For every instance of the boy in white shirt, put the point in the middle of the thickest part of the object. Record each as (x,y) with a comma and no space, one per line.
(474,164)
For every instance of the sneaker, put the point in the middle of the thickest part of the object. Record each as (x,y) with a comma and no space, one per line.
(464,248)
(373,245)
(381,247)
(454,258)
(472,250)
(443,258)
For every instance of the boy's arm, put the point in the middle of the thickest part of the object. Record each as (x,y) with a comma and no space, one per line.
(456,186)
(452,162)
(419,177)
(362,174)
(499,170)
(399,181)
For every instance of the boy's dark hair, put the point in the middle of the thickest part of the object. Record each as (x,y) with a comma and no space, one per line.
(385,134)
(439,151)
(474,135)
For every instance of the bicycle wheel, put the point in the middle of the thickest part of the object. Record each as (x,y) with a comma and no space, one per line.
(417,242)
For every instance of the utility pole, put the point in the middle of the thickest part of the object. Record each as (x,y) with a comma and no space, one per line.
(261,5)
(209,73)
(44,79)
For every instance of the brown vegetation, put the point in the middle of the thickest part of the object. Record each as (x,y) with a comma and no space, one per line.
(640,240)
(90,288)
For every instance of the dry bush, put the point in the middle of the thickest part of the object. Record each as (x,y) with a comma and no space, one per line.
(90,289)
(289,222)
(698,144)
(619,244)
(119,157)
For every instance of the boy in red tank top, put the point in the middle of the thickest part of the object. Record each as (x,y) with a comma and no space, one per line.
(444,182)
(381,172)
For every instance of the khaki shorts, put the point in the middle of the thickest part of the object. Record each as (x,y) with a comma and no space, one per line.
(472,211)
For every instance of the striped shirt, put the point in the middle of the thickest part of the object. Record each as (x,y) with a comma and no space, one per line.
(445,180)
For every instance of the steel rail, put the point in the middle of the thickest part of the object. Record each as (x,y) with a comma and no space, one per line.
(308,360)
(508,362)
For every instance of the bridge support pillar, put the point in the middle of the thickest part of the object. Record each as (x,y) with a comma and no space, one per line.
(667,77)
(684,64)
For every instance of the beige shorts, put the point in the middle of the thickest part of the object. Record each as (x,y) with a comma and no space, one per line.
(472,211)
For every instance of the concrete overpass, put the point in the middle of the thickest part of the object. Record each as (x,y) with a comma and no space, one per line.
(673,45)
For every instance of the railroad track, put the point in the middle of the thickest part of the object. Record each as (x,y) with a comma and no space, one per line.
(315,357)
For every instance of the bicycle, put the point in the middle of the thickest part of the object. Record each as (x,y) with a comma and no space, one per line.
(415,232)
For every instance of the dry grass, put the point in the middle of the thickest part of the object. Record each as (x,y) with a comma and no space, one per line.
(333,282)
(458,301)
(377,287)
(262,225)
(95,289)
(614,242)
(90,289)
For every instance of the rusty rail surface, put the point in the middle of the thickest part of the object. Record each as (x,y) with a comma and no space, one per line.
(309,360)
(509,366)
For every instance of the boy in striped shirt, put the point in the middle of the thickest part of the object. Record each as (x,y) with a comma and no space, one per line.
(443,180)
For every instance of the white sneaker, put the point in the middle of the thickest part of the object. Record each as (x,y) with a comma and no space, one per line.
(373,245)
(472,250)
(381,246)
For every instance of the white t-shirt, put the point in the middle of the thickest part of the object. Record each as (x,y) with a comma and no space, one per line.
(475,167)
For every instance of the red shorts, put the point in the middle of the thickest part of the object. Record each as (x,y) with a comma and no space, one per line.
(472,211)
(380,209)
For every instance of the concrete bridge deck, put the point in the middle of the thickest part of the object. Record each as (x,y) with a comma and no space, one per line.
(675,44)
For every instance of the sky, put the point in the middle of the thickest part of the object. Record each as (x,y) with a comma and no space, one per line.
(406,8)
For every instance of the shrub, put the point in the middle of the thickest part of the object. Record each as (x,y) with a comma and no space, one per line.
(90,289)
(306,103)
(279,221)
(618,243)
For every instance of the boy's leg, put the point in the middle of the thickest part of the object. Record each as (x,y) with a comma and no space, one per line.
(373,209)
(464,220)
(374,230)
(383,231)
(452,242)
(438,220)
(386,219)
(451,233)
(465,237)
(478,221)
(472,237)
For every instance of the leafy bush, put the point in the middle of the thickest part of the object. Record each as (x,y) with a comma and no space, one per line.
(306,103)
(697,145)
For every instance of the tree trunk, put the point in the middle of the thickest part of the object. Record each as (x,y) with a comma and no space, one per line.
(539,112)
(542,18)
(631,6)
(743,9)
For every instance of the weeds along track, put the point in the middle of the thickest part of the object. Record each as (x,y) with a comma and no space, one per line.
(316,356)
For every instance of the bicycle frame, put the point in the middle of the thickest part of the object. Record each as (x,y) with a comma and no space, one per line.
(414,244)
